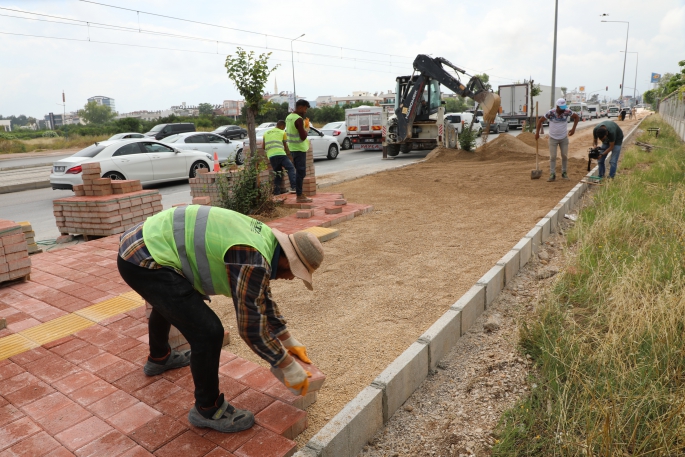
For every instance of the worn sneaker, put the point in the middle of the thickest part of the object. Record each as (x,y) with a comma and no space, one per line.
(293,191)
(552,177)
(564,175)
(226,419)
(176,360)
(303,199)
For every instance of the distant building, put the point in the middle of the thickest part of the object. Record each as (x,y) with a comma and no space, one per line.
(6,125)
(59,120)
(324,100)
(356,97)
(102,100)
(145,115)
(388,100)
(232,107)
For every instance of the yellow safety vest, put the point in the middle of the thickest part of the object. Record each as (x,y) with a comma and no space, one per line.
(294,141)
(273,142)
(194,239)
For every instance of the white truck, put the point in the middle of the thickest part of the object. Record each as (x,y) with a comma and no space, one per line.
(515,100)
(365,127)
(594,110)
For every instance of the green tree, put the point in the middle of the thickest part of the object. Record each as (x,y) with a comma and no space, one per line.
(205,109)
(485,79)
(249,73)
(128,124)
(456,105)
(94,113)
(649,97)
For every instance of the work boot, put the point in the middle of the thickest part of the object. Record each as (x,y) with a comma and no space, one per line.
(226,419)
(303,199)
(293,191)
(552,178)
(175,360)
(564,175)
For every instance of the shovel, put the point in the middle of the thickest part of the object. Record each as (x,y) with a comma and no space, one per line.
(535,174)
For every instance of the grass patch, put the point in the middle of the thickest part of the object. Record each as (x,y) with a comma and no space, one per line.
(40,144)
(608,340)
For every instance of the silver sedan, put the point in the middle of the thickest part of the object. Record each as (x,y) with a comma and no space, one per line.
(226,150)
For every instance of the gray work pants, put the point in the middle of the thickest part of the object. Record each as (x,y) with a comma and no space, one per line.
(563,145)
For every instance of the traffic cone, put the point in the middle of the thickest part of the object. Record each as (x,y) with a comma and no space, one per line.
(217,167)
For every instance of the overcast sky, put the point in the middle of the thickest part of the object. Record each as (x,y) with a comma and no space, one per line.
(508,39)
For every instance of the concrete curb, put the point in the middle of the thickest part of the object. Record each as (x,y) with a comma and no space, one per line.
(22,167)
(24,186)
(347,433)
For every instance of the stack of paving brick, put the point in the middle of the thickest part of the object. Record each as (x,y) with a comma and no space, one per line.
(30,236)
(309,184)
(206,184)
(102,207)
(14,255)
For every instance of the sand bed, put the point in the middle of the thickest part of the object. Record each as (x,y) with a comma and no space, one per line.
(437,227)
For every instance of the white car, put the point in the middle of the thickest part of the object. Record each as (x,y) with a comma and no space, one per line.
(125,136)
(266,125)
(323,146)
(146,160)
(210,143)
(338,130)
(613,112)
(458,120)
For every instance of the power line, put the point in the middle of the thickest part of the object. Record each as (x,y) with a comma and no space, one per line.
(118,28)
(241,30)
(176,49)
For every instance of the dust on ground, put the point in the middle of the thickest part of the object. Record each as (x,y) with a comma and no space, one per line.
(436,228)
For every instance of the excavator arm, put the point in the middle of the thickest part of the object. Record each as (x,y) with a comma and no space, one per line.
(432,68)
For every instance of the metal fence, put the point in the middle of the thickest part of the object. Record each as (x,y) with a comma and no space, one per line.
(672,110)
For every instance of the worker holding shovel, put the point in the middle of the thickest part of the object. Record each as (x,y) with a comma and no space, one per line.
(558,136)
(177,258)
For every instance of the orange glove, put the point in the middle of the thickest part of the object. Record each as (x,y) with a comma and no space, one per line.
(306,123)
(296,379)
(297,349)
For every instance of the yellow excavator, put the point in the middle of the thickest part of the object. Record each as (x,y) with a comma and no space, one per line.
(419,120)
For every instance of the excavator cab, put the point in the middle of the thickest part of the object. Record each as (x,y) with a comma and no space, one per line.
(429,102)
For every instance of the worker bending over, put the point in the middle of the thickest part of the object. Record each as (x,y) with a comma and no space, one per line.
(276,147)
(296,127)
(611,136)
(177,258)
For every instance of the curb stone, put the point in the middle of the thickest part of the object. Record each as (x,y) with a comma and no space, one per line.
(24,186)
(346,434)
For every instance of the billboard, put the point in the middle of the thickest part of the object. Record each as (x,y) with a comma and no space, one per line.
(656,77)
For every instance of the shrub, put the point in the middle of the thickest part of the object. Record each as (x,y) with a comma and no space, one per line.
(7,136)
(243,191)
(467,139)
(50,134)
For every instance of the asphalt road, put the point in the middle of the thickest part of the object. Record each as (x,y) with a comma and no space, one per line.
(35,206)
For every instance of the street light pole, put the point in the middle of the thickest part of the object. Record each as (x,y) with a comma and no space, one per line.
(292,60)
(637,62)
(554,54)
(624,56)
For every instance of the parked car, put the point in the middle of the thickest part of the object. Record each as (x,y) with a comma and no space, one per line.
(231,131)
(499,125)
(323,146)
(210,143)
(458,120)
(143,159)
(338,130)
(161,131)
(613,111)
(125,136)
(266,125)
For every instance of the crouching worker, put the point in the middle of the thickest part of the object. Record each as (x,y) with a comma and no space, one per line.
(179,257)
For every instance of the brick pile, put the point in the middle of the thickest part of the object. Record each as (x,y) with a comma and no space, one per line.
(14,254)
(30,236)
(104,207)
(205,184)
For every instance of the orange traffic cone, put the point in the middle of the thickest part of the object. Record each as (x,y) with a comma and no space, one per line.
(217,167)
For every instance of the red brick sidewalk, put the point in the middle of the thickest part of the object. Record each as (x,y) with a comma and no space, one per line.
(86,394)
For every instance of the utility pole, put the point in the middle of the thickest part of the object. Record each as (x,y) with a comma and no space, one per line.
(625,56)
(554,54)
(292,61)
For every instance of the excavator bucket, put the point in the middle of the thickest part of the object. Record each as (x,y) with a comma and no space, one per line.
(489,103)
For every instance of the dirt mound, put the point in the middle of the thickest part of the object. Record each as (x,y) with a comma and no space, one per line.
(503,144)
(529,139)
(441,154)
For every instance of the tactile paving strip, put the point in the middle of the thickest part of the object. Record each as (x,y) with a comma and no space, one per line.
(323,233)
(13,345)
(109,308)
(54,329)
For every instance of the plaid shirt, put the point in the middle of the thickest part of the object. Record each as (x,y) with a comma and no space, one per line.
(259,320)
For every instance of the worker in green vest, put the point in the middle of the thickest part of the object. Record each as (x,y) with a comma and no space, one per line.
(296,132)
(276,148)
(177,258)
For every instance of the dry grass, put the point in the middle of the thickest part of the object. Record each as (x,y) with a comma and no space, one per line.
(41,144)
(609,338)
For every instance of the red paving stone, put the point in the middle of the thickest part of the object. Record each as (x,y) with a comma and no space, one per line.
(260,379)
(219,452)
(267,444)
(120,344)
(137,354)
(112,443)
(29,393)
(19,381)
(133,381)
(283,419)
(137,451)
(187,445)
(230,387)
(47,405)
(83,433)
(92,392)
(67,347)
(116,370)
(17,327)
(233,441)
(156,392)
(16,431)
(133,417)
(37,445)
(59,452)
(9,413)
(63,418)
(52,368)
(252,401)
(82,354)
(10,370)
(74,381)
(112,404)
(157,432)
(237,368)
(177,406)
(29,356)
(100,361)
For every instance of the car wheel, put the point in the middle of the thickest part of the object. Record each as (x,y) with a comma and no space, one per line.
(507,128)
(199,165)
(347,144)
(240,157)
(499,130)
(114,176)
(243,135)
(332,152)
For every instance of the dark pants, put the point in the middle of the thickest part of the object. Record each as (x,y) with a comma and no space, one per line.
(278,163)
(300,162)
(175,302)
